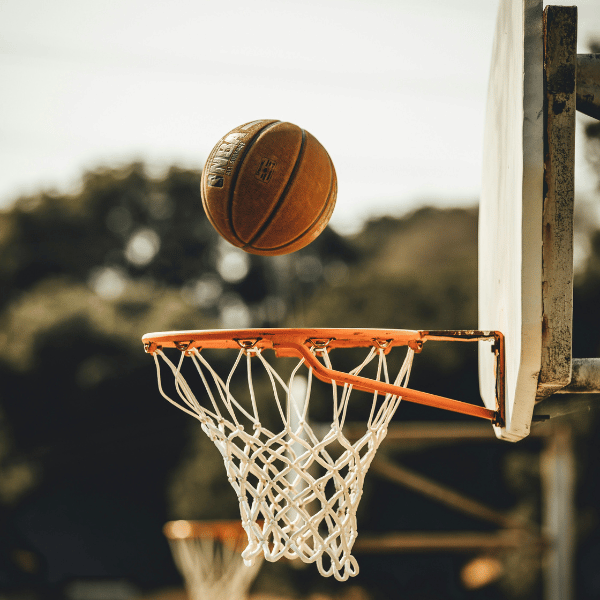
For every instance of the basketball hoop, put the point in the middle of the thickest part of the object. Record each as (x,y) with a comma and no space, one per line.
(207,554)
(292,480)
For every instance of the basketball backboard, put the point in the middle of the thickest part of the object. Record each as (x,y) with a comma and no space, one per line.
(525,221)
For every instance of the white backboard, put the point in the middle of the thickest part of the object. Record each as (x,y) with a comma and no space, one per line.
(510,220)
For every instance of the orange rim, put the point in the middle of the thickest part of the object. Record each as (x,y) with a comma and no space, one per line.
(279,339)
(227,532)
(305,343)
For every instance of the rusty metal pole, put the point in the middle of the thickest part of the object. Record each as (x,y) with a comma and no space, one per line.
(560,69)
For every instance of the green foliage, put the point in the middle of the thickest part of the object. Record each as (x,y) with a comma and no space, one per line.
(69,235)
(418,272)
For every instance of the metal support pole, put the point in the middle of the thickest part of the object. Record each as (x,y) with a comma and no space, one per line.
(441,493)
(558,482)
(585,379)
(588,84)
(455,541)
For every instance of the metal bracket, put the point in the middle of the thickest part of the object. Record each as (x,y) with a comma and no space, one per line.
(588,84)
(497,347)
(248,345)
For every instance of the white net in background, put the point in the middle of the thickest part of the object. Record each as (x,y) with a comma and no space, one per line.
(212,568)
(303,488)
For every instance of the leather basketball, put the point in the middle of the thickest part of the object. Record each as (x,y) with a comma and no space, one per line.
(269,187)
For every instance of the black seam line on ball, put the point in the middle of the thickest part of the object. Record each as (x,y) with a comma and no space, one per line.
(283,195)
(332,187)
(234,179)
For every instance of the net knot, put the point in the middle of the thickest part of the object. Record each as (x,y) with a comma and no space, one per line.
(319,346)
(381,344)
(249,346)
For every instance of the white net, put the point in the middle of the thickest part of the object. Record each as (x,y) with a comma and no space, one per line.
(303,489)
(213,570)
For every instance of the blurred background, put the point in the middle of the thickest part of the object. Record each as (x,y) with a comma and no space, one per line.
(107,113)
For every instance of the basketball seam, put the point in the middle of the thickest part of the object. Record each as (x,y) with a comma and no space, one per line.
(235,176)
(283,194)
(332,186)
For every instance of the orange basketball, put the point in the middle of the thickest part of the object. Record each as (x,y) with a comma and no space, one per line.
(269,187)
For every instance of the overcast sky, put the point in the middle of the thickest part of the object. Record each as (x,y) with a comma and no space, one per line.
(394,89)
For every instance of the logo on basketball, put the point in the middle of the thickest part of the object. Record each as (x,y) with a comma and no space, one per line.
(224,158)
(265,170)
(215,180)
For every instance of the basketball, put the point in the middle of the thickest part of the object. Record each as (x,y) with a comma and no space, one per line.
(269,187)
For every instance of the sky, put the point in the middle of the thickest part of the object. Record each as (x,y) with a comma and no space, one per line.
(394,89)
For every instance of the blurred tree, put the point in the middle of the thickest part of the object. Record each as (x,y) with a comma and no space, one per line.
(587,283)
(418,272)
(81,404)
(125,225)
